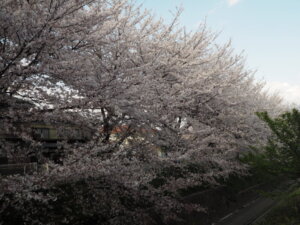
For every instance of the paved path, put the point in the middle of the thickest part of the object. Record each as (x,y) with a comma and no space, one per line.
(253,210)
(249,213)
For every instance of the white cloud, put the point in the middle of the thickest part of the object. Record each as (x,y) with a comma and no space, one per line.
(289,92)
(232,2)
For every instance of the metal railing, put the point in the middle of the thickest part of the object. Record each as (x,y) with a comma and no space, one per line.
(18,168)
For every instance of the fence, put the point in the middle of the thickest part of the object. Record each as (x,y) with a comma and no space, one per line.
(19,168)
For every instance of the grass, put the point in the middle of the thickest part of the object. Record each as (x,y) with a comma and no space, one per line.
(287,212)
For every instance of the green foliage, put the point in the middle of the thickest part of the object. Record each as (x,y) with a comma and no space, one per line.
(263,164)
(282,152)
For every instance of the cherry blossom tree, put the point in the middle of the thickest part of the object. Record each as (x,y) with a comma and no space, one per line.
(103,65)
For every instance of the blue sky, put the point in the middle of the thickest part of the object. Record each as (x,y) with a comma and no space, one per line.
(268,31)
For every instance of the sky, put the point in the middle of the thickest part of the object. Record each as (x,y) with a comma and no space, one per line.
(267,31)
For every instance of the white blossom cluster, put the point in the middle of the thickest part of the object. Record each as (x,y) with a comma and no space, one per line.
(102,65)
